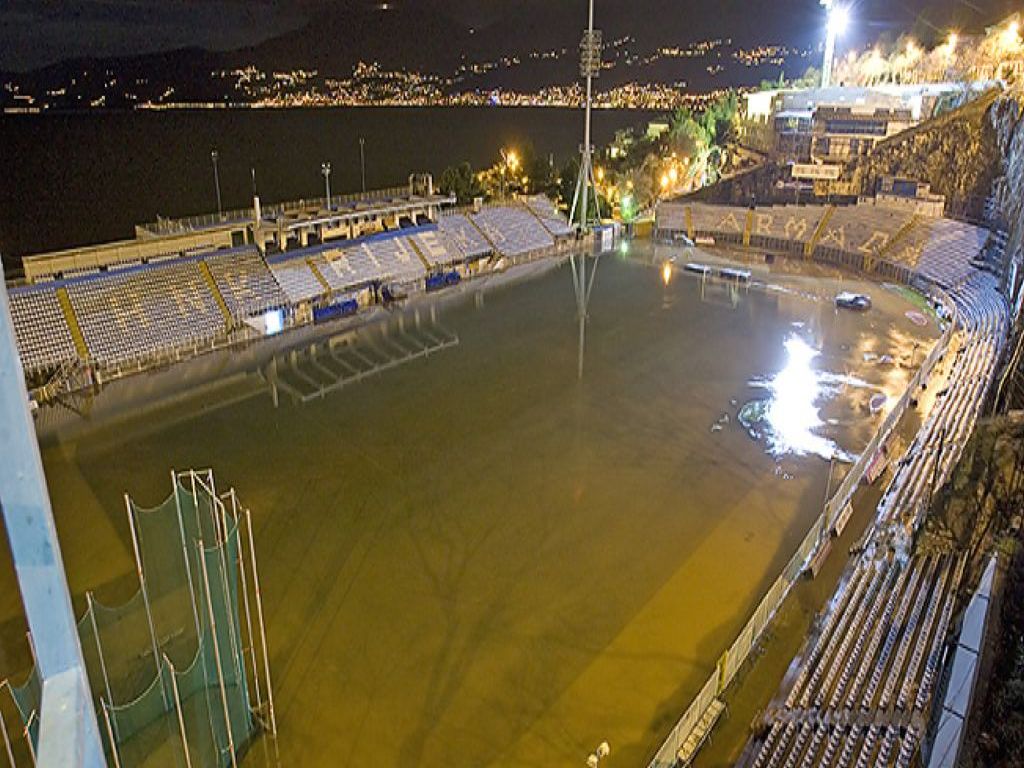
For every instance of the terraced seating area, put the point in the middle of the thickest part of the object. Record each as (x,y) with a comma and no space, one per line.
(437,248)
(941,258)
(296,279)
(463,236)
(145,310)
(345,269)
(397,258)
(863,229)
(44,340)
(549,216)
(245,282)
(781,226)
(722,221)
(671,217)
(513,230)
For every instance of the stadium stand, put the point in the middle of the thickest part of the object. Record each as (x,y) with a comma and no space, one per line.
(142,311)
(296,279)
(245,282)
(121,319)
(863,229)
(464,236)
(44,340)
(780,227)
(513,230)
(545,210)
(723,222)
(436,248)
(941,258)
(397,258)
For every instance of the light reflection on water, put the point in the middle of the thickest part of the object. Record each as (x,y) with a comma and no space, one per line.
(791,416)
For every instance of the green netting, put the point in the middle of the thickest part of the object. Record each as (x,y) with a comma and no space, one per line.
(171,633)
(224,642)
(28,698)
(127,643)
(168,580)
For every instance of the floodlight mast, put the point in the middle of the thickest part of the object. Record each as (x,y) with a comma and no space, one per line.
(836,23)
(590,67)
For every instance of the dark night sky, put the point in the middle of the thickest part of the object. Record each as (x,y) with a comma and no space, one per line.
(34,33)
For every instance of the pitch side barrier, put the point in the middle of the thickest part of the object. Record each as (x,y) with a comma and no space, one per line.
(691,730)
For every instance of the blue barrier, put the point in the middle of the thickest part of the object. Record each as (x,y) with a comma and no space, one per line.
(334,311)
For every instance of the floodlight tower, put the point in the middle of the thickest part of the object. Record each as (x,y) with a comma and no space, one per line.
(590,67)
(837,18)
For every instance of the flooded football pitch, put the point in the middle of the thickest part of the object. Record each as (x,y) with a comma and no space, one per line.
(476,557)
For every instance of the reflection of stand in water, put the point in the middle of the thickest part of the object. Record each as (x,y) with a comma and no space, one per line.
(326,366)
(583,288)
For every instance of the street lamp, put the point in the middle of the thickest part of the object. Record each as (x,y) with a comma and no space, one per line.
(325,169)
(216,180)
(509,162)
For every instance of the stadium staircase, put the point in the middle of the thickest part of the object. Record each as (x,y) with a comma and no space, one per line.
(72,320)
(204,270)
(811,244)
(319,276)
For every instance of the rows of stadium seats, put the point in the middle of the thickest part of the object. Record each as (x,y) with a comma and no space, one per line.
(44,340)
(863,229)
(544,209)
(436,248)
(464,236)
(297,280)
(785,223)
(941,250)
(513,230)
(942,257)
(141,311)
(718,219)
(145,310)
(244,281)
(396,257)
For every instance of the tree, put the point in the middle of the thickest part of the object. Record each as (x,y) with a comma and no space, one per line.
(459,180)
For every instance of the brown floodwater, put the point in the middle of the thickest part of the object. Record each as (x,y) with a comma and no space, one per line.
(476,557)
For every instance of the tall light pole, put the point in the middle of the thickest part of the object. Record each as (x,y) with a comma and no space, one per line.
(325,169)
(216,180)
(836,25)
(362,161)
(590,67)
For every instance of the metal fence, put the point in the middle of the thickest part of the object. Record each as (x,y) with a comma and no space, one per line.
(271,210)
(730,663)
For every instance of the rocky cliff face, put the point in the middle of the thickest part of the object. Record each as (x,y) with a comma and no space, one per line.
(958,154)
(1006,118)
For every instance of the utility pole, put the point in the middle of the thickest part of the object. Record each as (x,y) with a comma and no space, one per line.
(362,161)
(590,67)
(216,181)
(325,169)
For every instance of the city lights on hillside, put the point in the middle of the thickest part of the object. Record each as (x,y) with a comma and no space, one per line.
(950,47)
(1010,38)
